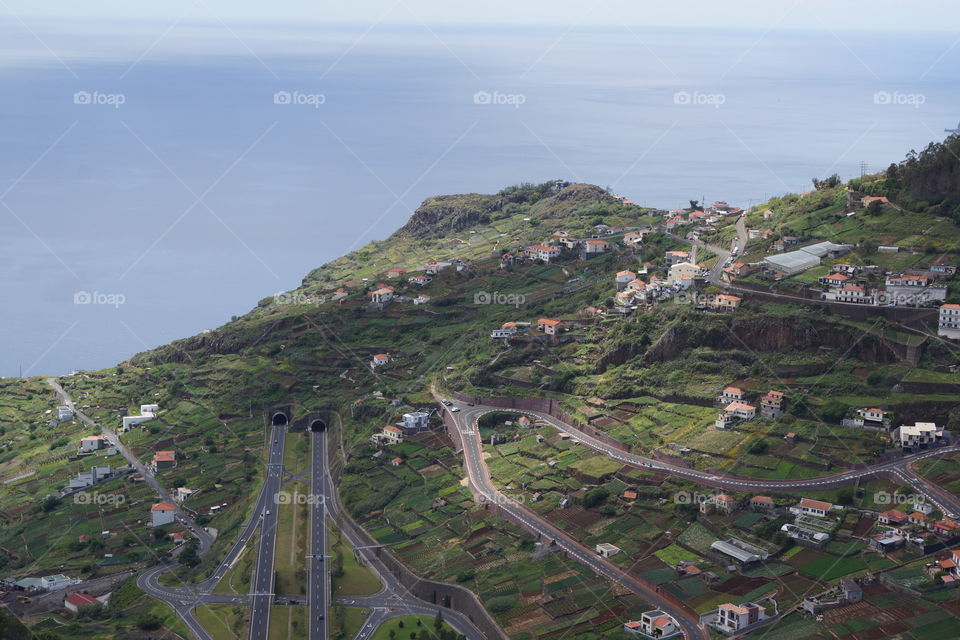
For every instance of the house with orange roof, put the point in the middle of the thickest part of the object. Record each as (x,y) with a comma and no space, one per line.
(163,460)
(736,618)
(396,272)
(420,280)
(725,302)
(945,528)
(655,624)
(162,513)
(808,507)
(593,248)
(735,412)
(834,279)
(390,434)
(893,517)
(382,295)
(771,405)
(761,503)
(549,326)
(730,393)
(75,601)
(675,257)
(379,360)
(623,277)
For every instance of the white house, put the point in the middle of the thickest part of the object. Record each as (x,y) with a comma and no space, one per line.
(64,413)
(949,325)
(809,507)
(922,434)
(421,299)
(733,618)
(383,295)
(682,270)
(380,359)
(182,493)
(731,393)
(91,443)
(162,513)
(543,252)
(390,434)
(872,415)
(416,421)
(147,412)
(606,550)
(655,624)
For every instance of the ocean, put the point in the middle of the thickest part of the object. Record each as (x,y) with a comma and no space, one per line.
(155,182)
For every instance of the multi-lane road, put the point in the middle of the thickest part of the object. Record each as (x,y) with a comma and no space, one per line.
(318,581)
(261,582)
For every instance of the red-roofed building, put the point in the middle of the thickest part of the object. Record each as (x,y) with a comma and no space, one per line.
(162,513)
(893,517)
(549,326)
(949,321)
(75,601)
(809,507)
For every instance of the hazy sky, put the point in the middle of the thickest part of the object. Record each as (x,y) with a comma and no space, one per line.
(764,14)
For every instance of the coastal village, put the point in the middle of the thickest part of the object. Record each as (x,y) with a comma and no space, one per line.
(743,559)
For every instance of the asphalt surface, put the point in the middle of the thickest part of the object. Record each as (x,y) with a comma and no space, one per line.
(318,582)
(480,483)
(261,582)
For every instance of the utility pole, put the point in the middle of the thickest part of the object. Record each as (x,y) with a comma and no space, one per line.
(863,168)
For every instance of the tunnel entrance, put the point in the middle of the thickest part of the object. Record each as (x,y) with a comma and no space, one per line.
(279,420)
(318,425)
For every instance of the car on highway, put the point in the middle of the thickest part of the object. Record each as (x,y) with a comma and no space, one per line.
(447,403)
(455,409)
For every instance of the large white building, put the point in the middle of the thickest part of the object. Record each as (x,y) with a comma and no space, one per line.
(922,434)
(733,618)
(949,325)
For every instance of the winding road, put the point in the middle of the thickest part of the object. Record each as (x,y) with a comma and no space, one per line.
(467,416)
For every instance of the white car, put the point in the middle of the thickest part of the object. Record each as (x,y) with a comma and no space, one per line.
(455,409)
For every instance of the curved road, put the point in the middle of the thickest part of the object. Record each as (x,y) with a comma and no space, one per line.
(948,503)
(479,478)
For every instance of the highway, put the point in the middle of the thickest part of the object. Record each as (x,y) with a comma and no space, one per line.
(479,478)
(318,581)
(261,582)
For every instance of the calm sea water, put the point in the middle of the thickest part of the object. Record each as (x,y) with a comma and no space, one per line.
(200,194)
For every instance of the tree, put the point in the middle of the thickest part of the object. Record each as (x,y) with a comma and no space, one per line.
(438,621)
(595,496)
(759,446)
(189,556)
(149,622)
(833,411)
(694,205)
